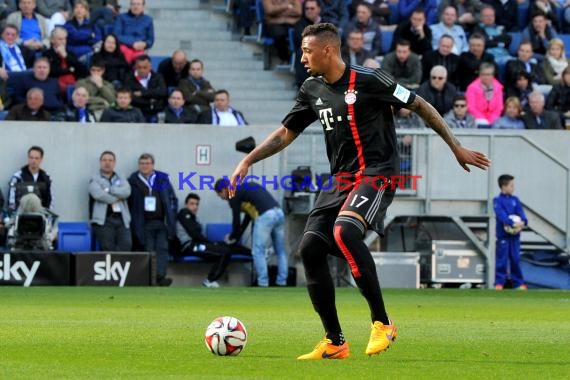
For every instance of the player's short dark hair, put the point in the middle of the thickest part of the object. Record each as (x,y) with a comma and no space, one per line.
(37,149)
(124,90)
(192,196)
(220,184)
(325,31)
(504,180)
(107,152)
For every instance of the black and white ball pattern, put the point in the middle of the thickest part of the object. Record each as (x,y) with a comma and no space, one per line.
(226,336)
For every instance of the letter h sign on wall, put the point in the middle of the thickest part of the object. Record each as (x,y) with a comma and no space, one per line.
(203,154)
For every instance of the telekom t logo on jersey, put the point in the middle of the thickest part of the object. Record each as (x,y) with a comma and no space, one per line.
(326,117)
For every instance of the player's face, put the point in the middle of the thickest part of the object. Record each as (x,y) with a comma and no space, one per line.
(509,188)
(34,160)
(107,163)
(192,205)
(224,194)
(316,55)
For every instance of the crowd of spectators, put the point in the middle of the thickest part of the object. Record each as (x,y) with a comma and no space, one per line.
(86,61)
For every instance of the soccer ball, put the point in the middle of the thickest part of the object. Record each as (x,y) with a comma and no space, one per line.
(226,336)
(511,230)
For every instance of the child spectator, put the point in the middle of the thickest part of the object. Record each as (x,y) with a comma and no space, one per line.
(510,219)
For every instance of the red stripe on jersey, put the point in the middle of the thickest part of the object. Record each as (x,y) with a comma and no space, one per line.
(346,253)
(352,123)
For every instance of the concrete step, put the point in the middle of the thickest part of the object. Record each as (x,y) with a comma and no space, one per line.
(247,85)
(184,34)
(263,95)
(178,15)
(236,65)
(280,106)
(165,4)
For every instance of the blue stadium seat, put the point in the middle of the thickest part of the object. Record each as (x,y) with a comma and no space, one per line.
(394,14)
(70,89)
(217,231)
(155,61)
(73,237)
(566,39)
(523,16)
(387,37)
(3,115)
(515,42)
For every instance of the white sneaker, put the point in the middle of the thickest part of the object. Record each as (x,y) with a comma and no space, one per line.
(210,284)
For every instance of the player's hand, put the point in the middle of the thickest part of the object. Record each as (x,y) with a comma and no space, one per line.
(239,174)
(469,157)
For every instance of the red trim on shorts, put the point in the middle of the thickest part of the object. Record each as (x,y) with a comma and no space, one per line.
(346,252)
(352,123)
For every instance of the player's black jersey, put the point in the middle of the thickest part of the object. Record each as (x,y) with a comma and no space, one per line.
(356,117)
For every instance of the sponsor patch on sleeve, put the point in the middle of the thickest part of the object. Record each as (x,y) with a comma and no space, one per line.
(401,93)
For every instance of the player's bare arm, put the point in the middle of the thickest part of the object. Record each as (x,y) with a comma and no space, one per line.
(274,143)
(463,155)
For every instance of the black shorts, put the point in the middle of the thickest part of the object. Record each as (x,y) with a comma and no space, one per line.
(369,198)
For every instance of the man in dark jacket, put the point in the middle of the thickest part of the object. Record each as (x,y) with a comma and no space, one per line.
(176,112)
(153,206)
(174,68)
(538,117)
(148,87)
(122,111)
(416,31)
(193,241)
(222,113)
(198,92)
(442,56)
(31,179)
(32,110)
(469,62)
(437,91)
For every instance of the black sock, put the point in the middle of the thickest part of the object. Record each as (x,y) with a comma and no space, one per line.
(336,338)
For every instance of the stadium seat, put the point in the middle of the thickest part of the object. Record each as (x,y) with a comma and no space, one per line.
(515,42)
(262,38)
(3,115)
(394,13)
(217,231)
(155,61)
(70,89)
(566,39)
(387,37)
(523,16)
(73,237)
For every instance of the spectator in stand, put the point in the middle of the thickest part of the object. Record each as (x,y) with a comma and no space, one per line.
(539,118)
(122,111)
(522,89)
(443,56)
(539,33)
(176,112)
(64,65)
(470,61)
(103,13)
(174,69)
(526,63)
(335,12)
(33,26)
(280,15)
(153,207)
(380,10)
(506,13)
(56,12)
(197,91)
(116,66)
(554,62)
(83,36)
(108,207)
(407,7)
(406,119)
(31,179)
(416,31)
(550,10)
(438,91)
(40,78)
(222,113)
(149,90)
(7,7)
(497,41)
(353,51)
(485,96)
(559,98)
(458,117)
(78,112)
(14,58)
(370,29)
(447,26)
(511,118)
(404,65)
(135,31)
(101,92)
(311,15)
(5,100)
(467,11)
(32,109)
(243,16)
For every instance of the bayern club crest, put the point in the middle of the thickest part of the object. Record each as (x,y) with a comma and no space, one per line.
(350,97)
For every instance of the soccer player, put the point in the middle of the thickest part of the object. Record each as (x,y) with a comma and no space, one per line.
(354,105)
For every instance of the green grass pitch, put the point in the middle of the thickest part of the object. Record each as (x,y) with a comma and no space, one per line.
(157,333)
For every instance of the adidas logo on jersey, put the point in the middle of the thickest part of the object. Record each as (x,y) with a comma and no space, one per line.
(319,102)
